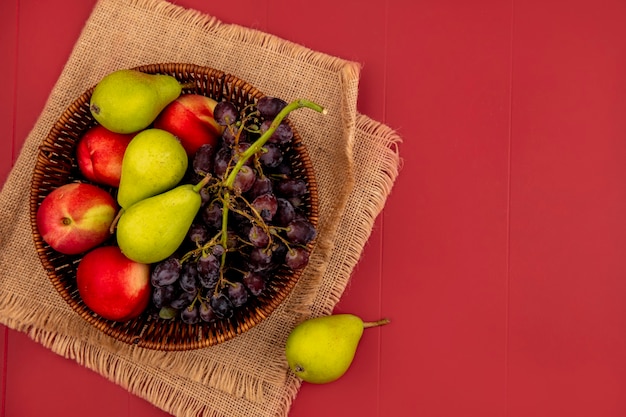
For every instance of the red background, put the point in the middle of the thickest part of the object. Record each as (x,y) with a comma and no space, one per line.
(499,255)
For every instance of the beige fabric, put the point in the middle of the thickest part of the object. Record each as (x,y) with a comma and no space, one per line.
(356,161)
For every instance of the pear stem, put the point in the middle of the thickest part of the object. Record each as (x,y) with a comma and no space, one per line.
(115,220)
(380,322)
(201,184)
(189,84)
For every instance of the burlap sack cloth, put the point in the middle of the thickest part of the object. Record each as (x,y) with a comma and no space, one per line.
(355,159)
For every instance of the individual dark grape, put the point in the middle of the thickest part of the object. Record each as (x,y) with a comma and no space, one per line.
(198,234)
(153,313)
(266,205)
(262,185)
(217,250)
(208,267)
(237,294)
(221,161)
(190,314)
(282,171)
(255,282)
(242,226)
(221,306)
(165,272)
(300,231)
(212,215)
(269,107)
(205,195)
(300,215)
(292,187)
(225,113)
(296,202)
(206,312)
(271,155)
(244,179)
(260,259)
(234,134)
(282,134)
(161,296)
(202,161)
(183,299)
(285,212)
(279,250)
(189,277)
(297,258)
(236,153)
(239,217)
(258,236)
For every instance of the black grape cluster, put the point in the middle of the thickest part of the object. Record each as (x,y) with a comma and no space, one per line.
(252,222)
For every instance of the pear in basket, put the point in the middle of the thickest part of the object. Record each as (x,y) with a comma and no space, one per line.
(127,101)
(153,162)
(152,229)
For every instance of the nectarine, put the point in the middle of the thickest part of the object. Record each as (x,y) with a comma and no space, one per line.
(112,285)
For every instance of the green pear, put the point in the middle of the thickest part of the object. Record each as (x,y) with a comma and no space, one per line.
(127,101)
(152,229)
(154,161)
(321,349)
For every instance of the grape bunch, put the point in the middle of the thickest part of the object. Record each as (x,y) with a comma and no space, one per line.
(253,223)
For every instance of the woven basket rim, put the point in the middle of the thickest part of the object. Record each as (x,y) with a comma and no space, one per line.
(53,161)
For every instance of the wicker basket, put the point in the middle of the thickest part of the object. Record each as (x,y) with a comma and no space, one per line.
(56,165)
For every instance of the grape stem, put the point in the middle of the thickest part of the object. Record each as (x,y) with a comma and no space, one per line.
(258,144)
(252,150)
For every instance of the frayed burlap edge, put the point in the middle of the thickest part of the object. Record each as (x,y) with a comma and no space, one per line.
(247,35)
(377,147)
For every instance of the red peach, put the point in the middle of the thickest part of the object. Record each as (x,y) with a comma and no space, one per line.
(99,155)
(190,118)
(76,217)
(112,285)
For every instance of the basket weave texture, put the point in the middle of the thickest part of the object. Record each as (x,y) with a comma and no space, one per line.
(56,165)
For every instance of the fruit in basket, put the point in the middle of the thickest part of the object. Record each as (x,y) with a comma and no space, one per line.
(112,285)
(190,119)
(99,155)
(152,229)
(246,232)
(266,288)
(154,162)
(321,349)
(76,217)
(127,101)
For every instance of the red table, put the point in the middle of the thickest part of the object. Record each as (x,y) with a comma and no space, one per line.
(499,256)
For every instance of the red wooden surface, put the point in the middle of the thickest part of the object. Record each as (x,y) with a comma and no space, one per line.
(499,255)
